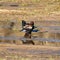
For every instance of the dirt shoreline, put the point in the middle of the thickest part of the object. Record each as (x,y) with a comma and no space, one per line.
(29,52)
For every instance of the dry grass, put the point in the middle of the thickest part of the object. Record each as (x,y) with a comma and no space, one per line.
(31,10)
(12,52)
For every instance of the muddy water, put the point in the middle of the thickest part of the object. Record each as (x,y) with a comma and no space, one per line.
(50,31)
(49,35)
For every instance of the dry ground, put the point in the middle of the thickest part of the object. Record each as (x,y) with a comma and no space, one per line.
(30,10)
(28,52)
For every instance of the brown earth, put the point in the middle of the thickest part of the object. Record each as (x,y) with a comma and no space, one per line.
(30,10)
(12,51)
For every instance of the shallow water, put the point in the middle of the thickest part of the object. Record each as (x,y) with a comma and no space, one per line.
(49,35)
(48,31)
